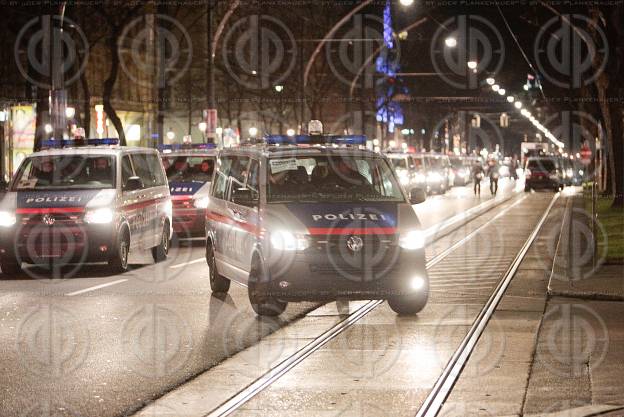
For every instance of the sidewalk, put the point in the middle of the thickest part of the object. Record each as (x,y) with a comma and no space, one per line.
(555,345)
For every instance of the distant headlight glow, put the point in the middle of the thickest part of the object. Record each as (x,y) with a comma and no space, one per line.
(7,219)
(434,177)
(412,240)
(99,216)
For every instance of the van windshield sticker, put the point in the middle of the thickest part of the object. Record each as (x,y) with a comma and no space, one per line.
(27,183)
(280,165)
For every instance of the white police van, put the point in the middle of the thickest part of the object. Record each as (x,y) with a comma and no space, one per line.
(189,169)
(314,218)
(85,201)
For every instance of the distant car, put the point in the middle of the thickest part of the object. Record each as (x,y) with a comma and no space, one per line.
(543,173)
(461,170)
(409,169)
(437,168)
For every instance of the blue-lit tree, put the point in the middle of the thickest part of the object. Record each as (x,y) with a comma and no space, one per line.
(389,111)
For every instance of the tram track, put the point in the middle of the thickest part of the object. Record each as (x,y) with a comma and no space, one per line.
(452,371)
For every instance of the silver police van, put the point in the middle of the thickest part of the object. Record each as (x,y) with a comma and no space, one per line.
(314,218)
(91,203)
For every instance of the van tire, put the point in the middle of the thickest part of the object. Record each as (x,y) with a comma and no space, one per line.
(118,262)
(262,305)
(159,253)
(408,304)
(10,266)
(218,283)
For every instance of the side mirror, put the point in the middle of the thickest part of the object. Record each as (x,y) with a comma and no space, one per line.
(245,197)
(417,196)
(133,184)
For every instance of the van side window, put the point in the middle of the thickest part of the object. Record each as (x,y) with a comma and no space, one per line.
(126,170)
(252,178)
(222,174)
(150,173)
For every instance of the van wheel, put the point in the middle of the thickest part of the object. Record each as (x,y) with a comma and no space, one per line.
(262,304)
(159,253)
(10,266)
(118,262)
(527,189)
(408,304)
(218,283)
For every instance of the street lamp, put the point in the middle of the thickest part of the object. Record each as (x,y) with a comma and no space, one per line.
(170,134)
(279,88)
(406,2)
(202,127)
(253,131)
(518,105)
(501,91)
(451,42)
(495,87)
(70,112)
(490,81)
(472,65)
(48,128)
(290,132)
(511,99)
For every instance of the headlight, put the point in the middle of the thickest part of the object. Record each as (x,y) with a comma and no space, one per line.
(420,177)
(284,240)
(7,219)
(201,203)
(412,240)
(99,216)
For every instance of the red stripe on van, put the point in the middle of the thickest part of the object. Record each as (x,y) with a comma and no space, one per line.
(50,210)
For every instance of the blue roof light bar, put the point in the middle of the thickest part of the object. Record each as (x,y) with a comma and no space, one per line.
(315,140)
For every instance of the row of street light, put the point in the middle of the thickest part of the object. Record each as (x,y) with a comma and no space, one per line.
(524,112)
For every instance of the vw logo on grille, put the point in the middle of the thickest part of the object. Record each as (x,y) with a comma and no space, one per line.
(355,243)
(48,219)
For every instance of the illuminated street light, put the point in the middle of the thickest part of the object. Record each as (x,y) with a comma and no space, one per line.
(511,99)
(518,105)
(202,126)
(290,132)
(472,65)
(279,88)
(406,2)
(501,91)
(253,131)
(48,128)
(495,87)
(490,81)
(451,42)
(70,112)
(171,135)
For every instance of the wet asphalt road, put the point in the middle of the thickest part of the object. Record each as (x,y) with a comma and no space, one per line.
(102,345)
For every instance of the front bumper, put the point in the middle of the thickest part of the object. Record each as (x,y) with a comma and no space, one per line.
(542,183)
(320,275)
(189,222)
(60,244)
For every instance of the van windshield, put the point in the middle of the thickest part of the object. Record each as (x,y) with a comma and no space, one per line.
(189,168)
(329,178)
(66,172)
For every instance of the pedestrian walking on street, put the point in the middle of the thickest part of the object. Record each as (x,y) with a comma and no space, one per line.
(493,174)
(477,176)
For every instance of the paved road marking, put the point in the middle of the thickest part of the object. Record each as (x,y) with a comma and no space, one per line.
(195,261)
(96,287)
